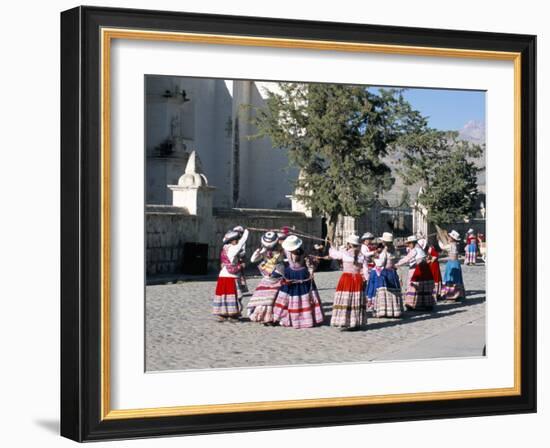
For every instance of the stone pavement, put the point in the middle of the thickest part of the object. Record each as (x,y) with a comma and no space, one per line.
(182,334)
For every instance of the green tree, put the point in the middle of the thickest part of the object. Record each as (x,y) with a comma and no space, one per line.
(446,168)
(337,135)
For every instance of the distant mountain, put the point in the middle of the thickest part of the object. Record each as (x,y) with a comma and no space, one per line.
(473,131)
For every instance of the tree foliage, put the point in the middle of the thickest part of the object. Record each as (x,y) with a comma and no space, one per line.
(338,136)
(445,167)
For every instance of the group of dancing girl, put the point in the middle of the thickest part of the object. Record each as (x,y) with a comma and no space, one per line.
(287,295)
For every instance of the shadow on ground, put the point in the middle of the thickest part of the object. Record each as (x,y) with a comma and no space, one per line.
(409,317)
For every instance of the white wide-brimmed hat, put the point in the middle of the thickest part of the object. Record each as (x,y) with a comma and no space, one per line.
(230,236)
(423,243)
(353,240)
(454,235)
(387,237)
(412,239)
(291,243)
(470,230)
(269,239)
(367,236)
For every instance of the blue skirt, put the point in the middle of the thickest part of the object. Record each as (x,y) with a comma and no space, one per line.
(388,278)
(453,273)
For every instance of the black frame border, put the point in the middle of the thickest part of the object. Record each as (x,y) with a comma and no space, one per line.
(81,223)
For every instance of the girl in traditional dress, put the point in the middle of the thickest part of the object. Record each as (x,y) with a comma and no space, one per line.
(226,304)
(433,262)
(349,308)
(482,247)
(298,303)
(368,250)
(453,285)
(420,283)
(241,256)
(272,268)
(471,248)
(384,287)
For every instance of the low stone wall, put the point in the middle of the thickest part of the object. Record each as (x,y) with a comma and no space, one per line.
(169,228)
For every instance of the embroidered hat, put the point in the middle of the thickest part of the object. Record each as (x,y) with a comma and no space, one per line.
(470,230)
(367,236)
(454,235)
(387,237)
(412,239)
(353,240)
(291,243)
(269,240)
(230,236)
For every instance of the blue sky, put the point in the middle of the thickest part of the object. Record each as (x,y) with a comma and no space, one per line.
(448,109)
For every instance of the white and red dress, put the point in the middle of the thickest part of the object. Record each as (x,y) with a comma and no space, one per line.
(420,283)
(228,296)
(471,249)
(349,307)
(433,261)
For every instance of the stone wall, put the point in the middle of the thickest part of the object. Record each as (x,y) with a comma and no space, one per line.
(169,228)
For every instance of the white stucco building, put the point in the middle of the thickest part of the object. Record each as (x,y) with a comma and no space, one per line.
(212,117)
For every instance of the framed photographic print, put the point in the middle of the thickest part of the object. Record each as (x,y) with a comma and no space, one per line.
(273,223)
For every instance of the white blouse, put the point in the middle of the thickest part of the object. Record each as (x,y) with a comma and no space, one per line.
(232,252)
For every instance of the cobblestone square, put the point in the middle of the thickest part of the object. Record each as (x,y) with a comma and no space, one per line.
(182,334)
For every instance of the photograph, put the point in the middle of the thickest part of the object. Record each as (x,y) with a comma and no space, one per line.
(298,223)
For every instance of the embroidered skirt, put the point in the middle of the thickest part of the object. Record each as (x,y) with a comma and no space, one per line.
(420,288)
(348,308)
(388,302)
(453,285)
(227,298)
(260,306)
(298,304)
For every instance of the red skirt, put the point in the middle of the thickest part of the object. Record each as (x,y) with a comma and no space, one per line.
(227,298)
(422,273)
(348,306)
(350,282)
(436,271)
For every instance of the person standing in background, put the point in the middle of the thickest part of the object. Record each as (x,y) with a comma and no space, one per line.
(471,248)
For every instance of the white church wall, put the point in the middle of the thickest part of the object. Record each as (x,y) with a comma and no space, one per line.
(265,178)
(203,128)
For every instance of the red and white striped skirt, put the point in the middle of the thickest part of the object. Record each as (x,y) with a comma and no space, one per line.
(227,298)
(349,308)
